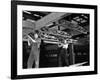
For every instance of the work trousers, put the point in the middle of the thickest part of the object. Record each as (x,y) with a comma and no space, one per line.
(34,56)
(63,57)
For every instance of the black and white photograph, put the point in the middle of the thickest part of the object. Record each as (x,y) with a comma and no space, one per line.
(54,39)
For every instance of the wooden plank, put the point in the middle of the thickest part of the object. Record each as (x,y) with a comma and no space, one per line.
(52,17)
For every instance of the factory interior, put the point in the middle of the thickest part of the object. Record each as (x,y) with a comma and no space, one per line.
(75,25)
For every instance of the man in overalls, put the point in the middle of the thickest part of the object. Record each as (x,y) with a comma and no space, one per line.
(63,55)
(35,50)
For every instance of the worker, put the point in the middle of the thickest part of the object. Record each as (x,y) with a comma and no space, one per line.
(63,55)
(34,42)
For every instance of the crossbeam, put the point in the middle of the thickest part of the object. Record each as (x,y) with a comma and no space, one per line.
(52,17)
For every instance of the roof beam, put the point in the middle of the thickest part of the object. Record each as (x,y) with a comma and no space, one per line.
(52,17)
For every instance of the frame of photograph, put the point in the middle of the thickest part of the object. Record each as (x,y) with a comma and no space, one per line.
(15,6)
